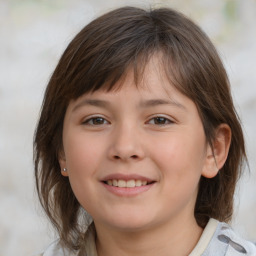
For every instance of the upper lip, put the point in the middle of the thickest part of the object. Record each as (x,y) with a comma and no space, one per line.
(126,177)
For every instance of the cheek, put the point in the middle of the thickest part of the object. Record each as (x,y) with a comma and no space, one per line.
(180,158)
(180,165)
(82,159)
(81,153)
(179,150)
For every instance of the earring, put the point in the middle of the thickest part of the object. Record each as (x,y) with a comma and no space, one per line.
(64,169)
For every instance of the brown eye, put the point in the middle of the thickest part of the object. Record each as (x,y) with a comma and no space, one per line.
(159,120)
(96,121)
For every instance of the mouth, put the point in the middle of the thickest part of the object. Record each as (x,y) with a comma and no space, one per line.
(127,183)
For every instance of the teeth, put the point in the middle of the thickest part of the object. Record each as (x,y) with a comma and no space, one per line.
(121,183)
(130,184)
(138,183)
(126,184)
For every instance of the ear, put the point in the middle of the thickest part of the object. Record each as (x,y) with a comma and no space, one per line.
(217,155)
(62,162)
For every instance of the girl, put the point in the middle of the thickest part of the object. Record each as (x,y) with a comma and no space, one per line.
(138,148)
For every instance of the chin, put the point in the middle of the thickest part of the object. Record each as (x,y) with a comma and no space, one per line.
(130,223)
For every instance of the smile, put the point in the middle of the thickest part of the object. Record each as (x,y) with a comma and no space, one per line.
(126,184)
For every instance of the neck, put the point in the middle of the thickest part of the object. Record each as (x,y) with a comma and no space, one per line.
(167,239)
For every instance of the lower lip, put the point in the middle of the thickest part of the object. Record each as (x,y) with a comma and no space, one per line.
(127,192)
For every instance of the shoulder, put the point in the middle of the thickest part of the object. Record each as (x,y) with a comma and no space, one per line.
(55,249)
(226,242)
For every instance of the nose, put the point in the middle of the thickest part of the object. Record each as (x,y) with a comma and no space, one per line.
(126,144)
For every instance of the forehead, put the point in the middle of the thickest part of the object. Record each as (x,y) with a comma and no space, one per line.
(149,76)
(152,88)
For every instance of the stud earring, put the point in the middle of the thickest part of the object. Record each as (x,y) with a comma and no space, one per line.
(64,169)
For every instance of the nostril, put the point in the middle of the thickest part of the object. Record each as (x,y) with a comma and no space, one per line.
(125,157)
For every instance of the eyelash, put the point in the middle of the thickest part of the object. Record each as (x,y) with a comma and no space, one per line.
(91,121)
(161,118)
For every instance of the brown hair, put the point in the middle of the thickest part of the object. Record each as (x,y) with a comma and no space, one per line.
(98,57)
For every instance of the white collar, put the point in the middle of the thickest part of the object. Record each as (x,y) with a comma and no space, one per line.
(56,250)
(205,238)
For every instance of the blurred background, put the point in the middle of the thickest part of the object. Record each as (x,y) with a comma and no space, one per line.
(34,33)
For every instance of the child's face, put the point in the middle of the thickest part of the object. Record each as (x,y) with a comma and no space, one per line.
(151,134)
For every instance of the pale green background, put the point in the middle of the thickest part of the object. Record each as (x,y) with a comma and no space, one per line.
(33,34)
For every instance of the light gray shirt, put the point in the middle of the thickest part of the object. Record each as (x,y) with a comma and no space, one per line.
(217,239)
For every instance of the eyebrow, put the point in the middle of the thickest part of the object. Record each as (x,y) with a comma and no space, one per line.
(91,102)
(143,104)
(156,102)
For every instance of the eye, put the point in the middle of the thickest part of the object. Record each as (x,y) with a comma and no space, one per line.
(159,120)
(96,121)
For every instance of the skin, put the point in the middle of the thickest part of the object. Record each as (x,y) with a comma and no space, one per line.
(150,130)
